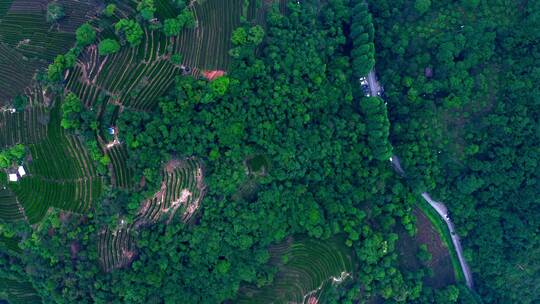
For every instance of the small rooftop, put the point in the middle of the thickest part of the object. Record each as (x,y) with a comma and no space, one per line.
(21,171)
(13,177)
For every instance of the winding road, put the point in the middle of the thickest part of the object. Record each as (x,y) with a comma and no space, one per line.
(376,89)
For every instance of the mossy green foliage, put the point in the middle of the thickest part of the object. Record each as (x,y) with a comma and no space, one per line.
(461,86)
(11,155)
(85,34)
(374,111)
(56,69)
(71,111)
(258,163)
(147,9)
(173,26)
(130,30)
(109,10)
(362,36)
(55,12)
(108,46)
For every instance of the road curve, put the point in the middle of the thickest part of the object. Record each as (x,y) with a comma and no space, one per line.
(442,210)
(376,90)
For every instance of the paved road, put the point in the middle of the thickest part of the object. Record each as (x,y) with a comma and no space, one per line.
(442,210)
(374,86)
(375,89)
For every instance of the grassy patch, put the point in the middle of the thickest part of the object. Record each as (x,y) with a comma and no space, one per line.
(440,262)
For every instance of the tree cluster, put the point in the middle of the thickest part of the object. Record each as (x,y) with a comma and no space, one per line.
(173,26)
(464,113)
(130,30)
(378,127)
(362,35)
(11,155)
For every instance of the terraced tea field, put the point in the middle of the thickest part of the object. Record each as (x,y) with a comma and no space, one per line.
(306,267)
(116,248)
(122,174)
(60,174)
(28,43)
(10,209)
(206,47)
(182,191)
(19,292)
(16,72)
(182,188)
(137,77)
(29,126)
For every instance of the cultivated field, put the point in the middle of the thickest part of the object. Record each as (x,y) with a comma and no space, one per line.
(182,190)
(61,174)
(121,173)
(10,209)
(180,195)
(28,126)
(19,292)
(306,268)
(137,77)
(28,43)
(116,248)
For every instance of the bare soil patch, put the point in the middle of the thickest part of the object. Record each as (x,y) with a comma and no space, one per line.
(211,75)
(443,273)
(440,263)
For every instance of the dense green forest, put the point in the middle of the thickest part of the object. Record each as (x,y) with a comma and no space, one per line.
(461,79)
(148,183)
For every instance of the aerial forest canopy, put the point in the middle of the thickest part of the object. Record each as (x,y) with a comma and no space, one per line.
(173,151)
(461,79)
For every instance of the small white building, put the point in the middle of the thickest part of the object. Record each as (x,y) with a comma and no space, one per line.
(111,130)
(22,172)
(13,177)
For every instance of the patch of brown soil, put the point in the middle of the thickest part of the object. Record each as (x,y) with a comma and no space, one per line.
(74,248)
(313,300)
(186,198)
(142,182)
(128,256)
(172,164)
(443,273)
(64,217)
(212,75)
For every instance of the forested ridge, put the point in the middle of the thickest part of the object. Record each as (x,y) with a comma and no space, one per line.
(272,181)
(463,101)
